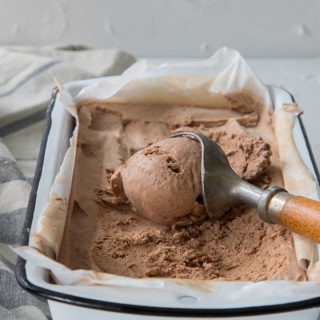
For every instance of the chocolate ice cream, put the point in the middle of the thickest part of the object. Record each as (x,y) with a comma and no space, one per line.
(163,183)
(104,233)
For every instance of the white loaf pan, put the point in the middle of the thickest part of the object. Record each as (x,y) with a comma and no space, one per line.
(105,302)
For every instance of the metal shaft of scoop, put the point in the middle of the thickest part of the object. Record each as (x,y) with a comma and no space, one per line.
(247,193)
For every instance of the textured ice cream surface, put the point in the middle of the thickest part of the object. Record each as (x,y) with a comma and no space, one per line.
(238,246)
(248,155)
(163,183)
(103,233)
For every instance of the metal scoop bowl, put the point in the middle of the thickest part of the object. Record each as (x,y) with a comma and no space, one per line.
(222,188)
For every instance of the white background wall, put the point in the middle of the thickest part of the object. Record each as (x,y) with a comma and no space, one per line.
(167,28)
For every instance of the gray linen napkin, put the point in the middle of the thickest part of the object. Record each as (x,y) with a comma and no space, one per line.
(26,82)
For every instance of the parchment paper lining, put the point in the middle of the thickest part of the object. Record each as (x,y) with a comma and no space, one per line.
(297,178)
(226,72)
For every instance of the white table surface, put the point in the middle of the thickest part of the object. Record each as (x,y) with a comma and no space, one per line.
(301,76)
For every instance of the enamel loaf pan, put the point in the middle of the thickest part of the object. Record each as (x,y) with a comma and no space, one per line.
(95,302)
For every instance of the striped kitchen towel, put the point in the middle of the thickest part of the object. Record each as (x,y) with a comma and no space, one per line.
(27,75)
(15,303)
(26,82)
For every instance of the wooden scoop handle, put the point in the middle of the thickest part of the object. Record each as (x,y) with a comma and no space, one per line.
(301,215)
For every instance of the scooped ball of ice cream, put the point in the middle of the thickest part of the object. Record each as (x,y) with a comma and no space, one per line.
(163,183)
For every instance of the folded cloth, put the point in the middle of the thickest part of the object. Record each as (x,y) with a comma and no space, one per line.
(15,303)
(27,74)
(26,82)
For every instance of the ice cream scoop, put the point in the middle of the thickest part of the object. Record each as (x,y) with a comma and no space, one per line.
(222,188)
